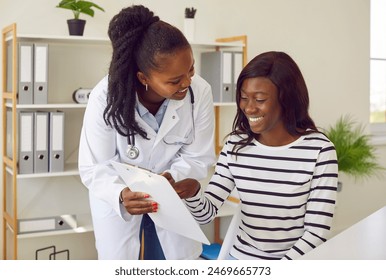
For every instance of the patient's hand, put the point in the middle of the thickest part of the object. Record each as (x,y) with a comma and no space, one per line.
(186,188)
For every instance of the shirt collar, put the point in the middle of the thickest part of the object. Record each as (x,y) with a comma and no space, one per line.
(142,110)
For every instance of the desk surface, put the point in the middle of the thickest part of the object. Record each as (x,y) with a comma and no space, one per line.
(365,240)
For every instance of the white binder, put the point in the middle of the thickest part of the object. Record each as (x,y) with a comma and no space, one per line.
(47,224)
(56,150)
(26,142)
(25,85)
(221,70)
(237,68)
(41,138)
(40,73)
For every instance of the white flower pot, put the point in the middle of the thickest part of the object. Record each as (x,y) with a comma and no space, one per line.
(189,26)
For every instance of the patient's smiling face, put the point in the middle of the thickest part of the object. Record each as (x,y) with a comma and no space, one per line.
(259,101)
(260,104)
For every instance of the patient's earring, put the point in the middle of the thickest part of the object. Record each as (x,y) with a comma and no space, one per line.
(146,87)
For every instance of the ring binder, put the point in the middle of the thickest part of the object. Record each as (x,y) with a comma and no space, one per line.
(56,152)
(25,86)
(41,138)
(40,73)
(53,223)
(26,154)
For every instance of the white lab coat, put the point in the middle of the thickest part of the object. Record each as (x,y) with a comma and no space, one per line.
(116,231)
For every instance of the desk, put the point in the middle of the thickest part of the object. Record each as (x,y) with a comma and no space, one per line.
(365,240)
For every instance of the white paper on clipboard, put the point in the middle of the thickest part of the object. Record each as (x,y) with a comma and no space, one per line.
(172,214)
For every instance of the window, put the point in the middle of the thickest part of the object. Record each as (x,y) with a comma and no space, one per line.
(378,71)
(378,65)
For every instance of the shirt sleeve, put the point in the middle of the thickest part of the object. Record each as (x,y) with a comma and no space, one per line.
(97,148)
(204,208)
(320,204)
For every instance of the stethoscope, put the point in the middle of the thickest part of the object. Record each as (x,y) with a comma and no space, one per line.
(132,151)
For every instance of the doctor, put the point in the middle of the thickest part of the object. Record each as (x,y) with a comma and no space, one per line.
(151,111)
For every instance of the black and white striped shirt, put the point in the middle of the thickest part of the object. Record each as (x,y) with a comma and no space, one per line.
(287,196)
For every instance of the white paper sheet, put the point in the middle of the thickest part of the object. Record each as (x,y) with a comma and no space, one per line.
(172,213)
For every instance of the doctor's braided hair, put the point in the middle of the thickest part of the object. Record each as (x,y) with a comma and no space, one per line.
(137,37)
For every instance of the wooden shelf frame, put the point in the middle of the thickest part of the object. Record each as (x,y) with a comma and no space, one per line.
(9,165)
(9,219)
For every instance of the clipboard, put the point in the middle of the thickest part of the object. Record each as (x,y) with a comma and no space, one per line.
(172,213)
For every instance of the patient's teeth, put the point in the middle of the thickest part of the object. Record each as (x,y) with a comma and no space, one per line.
(254,119)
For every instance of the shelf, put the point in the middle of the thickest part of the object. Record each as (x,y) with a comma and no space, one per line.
(220,104)
(70,169)
(99,40)
(216,44)
(48,106)
(80,106)
(61,39)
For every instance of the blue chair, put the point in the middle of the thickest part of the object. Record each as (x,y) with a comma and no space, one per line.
(210,252)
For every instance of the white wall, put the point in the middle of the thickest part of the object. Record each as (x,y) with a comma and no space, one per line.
(329,39)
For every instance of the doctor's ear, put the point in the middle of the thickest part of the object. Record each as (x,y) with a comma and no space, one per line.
(142,78)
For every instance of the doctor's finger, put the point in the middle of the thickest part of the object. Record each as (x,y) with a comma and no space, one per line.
(129,195)
(141,207)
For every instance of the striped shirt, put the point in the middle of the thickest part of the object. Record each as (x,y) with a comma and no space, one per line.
(287,196)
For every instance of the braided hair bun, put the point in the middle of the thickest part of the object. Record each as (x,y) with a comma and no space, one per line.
(130,23)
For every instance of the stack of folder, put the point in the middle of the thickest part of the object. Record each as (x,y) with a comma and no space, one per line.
(33,73)
(41,142)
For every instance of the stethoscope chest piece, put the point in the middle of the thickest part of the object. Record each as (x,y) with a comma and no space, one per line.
(132,152)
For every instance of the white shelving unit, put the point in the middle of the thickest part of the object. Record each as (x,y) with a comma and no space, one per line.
(74,62)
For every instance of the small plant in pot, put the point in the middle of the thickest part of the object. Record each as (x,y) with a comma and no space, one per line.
(76,25)
(356,156)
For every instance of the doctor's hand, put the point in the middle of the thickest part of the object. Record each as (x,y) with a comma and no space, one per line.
(187,188)
(137,203)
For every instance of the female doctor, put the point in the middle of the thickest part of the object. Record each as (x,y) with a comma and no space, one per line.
(151,111)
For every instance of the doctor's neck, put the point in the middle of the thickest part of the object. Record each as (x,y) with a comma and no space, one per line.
(150,100)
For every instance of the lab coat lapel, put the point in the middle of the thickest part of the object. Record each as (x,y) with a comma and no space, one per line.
(144,125)
(171,119)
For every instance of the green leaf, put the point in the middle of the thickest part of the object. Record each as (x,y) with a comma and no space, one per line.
(356,156)
(78,6)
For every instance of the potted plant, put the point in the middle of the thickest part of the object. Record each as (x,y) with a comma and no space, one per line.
(76,25)
(356,156)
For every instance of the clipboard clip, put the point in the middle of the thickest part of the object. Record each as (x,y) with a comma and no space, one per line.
(148,171)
